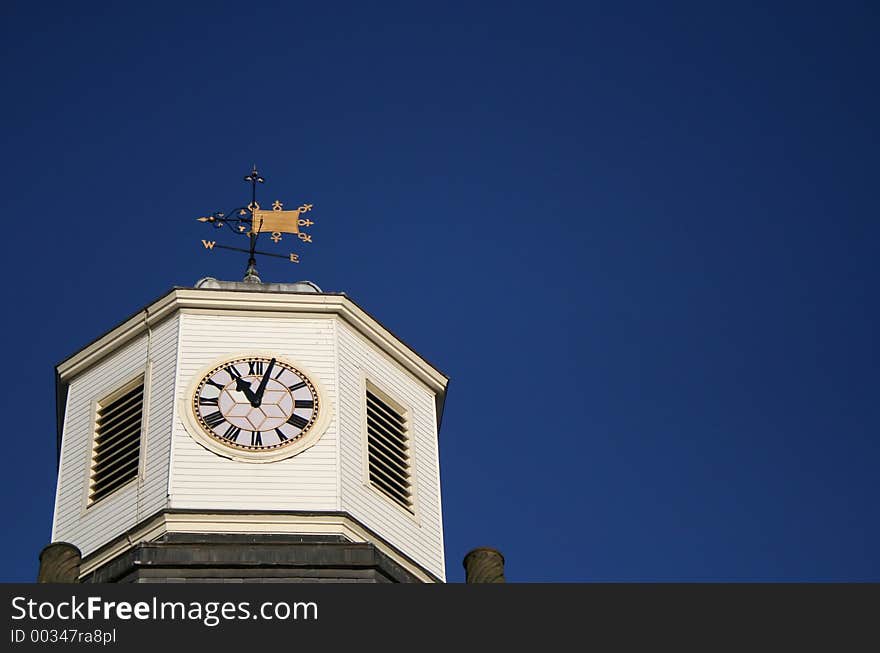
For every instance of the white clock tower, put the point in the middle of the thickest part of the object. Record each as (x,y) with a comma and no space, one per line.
(242,431)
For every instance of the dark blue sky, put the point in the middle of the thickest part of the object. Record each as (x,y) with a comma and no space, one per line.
(641,239)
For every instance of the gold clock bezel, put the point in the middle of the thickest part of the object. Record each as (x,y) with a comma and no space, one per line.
(207,439)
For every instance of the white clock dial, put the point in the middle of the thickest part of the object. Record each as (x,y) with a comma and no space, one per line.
(255,403)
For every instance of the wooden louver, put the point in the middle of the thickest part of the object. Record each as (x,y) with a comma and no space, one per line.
(116,449)
(388,451)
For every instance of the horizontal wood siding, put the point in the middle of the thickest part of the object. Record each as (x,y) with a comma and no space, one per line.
(419,536)
(331,475)
(202,479)
(89,528)
(161,417)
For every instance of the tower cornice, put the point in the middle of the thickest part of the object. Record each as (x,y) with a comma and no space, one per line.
(257,300)
(222,300)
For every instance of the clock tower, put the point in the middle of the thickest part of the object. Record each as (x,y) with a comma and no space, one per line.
(248,432)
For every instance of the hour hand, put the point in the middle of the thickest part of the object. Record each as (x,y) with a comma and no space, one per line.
(243,386)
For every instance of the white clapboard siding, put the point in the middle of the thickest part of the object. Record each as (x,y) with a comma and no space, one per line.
(201,479)
(419,536)
(91,527)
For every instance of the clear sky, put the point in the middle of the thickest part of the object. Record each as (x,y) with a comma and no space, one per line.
(641,239)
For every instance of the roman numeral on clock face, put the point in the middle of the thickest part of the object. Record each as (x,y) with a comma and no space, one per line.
(208,401)
(281,436)
(214,419)
(296,386)
(233,372)
(256,439)
(215,384)
(303,403)
(297,421)
(232,433)
(255,367)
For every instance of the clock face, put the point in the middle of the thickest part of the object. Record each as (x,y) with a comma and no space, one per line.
(255,404)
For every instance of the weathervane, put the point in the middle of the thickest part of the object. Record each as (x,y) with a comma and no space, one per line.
(251,221)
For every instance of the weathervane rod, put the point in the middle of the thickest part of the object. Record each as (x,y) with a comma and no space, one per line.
(251,272)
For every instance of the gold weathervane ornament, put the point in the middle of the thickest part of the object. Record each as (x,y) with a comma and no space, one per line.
(251,221)
(278,221)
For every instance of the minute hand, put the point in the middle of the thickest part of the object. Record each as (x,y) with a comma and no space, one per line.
(258,396)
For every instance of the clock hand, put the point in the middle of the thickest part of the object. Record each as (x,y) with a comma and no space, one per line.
(257,400)
(243,386)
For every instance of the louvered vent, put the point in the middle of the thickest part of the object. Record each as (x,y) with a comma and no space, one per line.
(117,441)
(388,451)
